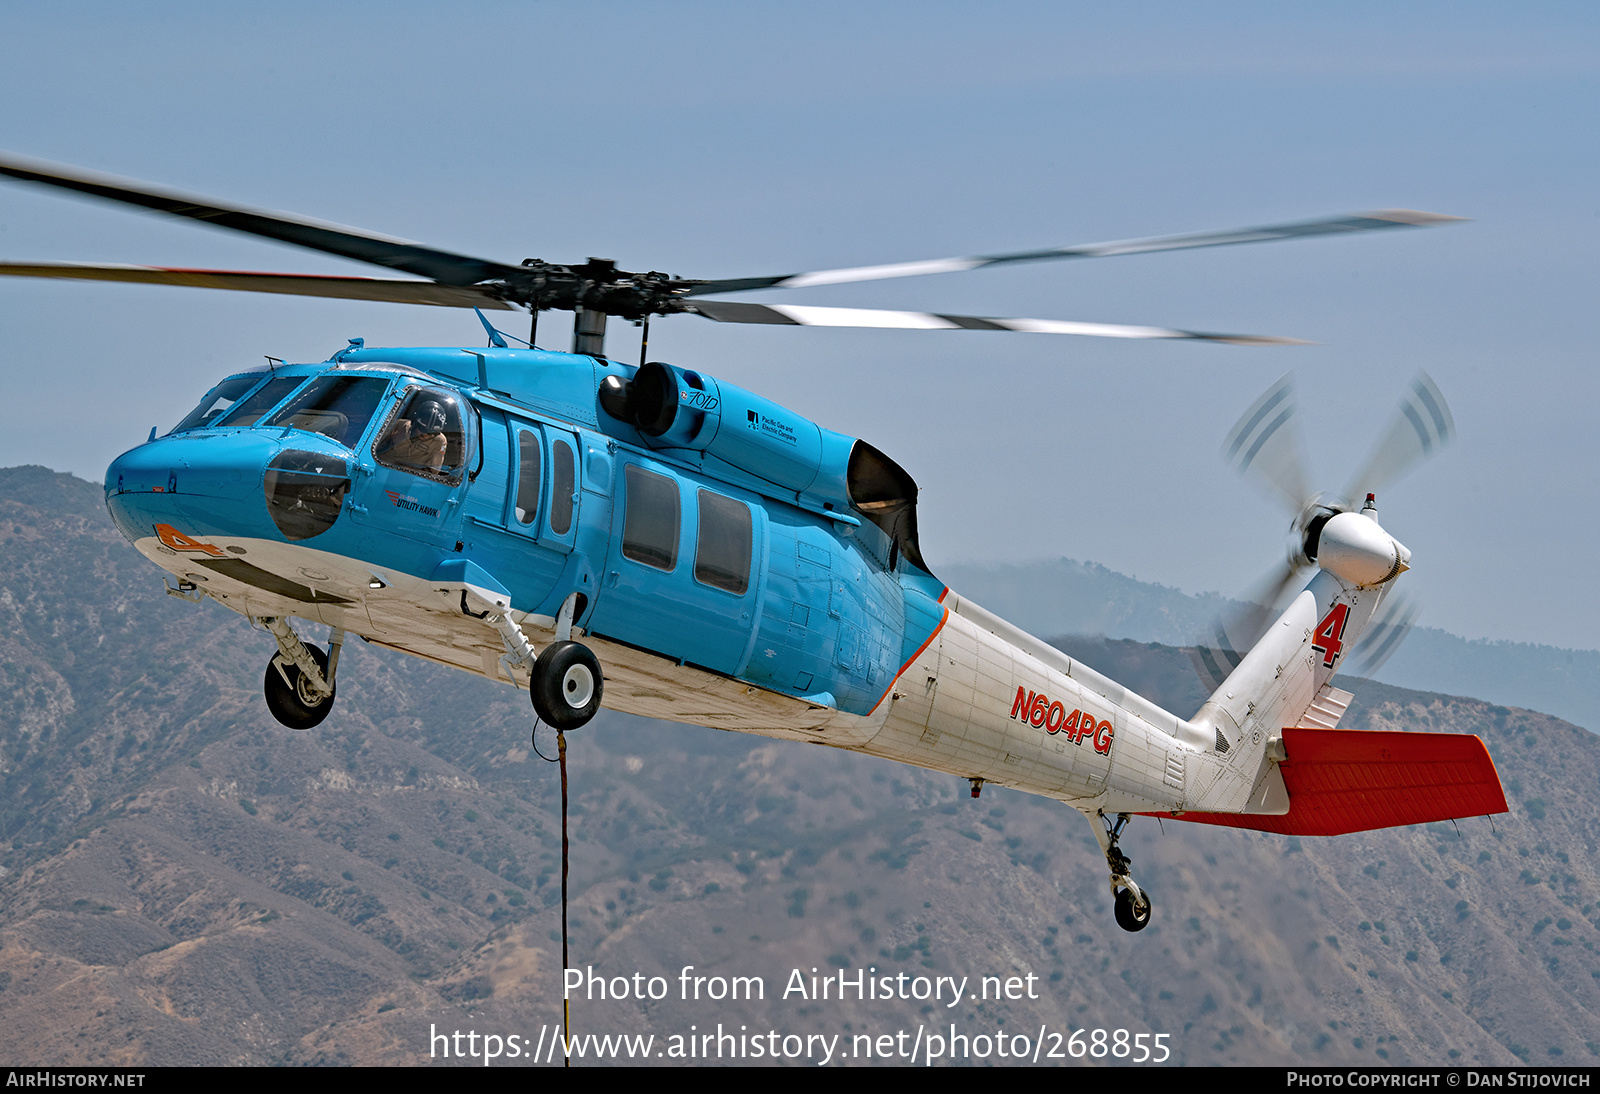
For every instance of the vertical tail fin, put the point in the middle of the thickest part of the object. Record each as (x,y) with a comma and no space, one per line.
(1277,684)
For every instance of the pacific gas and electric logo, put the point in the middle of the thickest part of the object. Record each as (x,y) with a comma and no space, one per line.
(1038,709)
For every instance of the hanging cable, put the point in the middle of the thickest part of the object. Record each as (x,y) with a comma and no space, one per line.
(566,1006)
(533,739)
(560,758)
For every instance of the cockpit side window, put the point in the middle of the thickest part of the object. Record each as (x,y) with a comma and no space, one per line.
(217,402)
(426,437)
(248,411)
(338,407)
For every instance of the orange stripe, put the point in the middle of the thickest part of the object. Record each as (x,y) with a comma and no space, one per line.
(914,657)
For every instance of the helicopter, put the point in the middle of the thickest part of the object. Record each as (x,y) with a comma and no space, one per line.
(654,540)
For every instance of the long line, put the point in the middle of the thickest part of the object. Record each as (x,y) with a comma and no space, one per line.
(566,1005)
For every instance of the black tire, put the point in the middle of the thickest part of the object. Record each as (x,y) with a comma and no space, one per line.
(566,685)
(287,702)
(1129,917)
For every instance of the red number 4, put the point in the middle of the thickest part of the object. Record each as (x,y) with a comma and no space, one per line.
(1328,633)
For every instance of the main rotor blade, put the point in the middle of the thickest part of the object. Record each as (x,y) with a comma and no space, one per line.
(397,254)
(348,288)
(1265,443)
(1334,225)
(1422,425)
(798,316)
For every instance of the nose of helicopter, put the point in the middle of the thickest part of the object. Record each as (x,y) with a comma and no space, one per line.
(209,484)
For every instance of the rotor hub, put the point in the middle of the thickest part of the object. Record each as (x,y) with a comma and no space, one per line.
(596,286)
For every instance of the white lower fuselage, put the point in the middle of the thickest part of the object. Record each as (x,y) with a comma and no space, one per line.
(966,704)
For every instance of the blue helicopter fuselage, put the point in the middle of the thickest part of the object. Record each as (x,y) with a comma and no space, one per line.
(740,538)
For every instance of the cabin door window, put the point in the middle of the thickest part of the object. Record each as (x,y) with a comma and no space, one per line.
(723,543)
(530,478)
(543,498)
(650,526)
(681,580)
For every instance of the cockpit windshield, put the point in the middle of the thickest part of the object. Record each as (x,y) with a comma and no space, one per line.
(248,411)
(337,406)
(217,402)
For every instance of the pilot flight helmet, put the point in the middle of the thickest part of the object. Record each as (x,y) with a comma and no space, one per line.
(428,416)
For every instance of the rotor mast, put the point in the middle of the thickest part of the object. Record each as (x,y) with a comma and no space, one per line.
(589,331)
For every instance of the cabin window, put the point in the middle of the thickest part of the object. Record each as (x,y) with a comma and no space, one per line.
(650,523)
(426,437)
(248,411)
(722,547)
(528,476)
(563,485)
(218,401)
(338,407)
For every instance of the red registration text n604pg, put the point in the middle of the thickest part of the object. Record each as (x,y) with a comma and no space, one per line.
(1038,709)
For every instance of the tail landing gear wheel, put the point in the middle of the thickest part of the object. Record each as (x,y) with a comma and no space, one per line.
(1132,915)
(1132,902)
(566,685)
(293,703)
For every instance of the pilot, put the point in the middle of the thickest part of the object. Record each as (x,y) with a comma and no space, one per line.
(418,440)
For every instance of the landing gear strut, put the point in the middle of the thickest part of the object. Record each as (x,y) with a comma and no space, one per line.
(1132,904)
(564,681)
(299,684)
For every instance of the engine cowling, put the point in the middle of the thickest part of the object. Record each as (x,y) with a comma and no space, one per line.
(677,408)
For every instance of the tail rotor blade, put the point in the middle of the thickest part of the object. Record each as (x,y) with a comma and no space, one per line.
(1264,444)
(1384,634)
(1421,426)
(1235,631)
(1213,660)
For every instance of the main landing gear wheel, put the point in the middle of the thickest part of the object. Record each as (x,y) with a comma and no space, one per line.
(1132,915)
(293,702)
(566,685)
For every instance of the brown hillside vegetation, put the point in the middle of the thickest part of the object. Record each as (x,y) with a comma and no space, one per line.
(188,883)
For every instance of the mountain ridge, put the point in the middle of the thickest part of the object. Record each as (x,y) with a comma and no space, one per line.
(186,882)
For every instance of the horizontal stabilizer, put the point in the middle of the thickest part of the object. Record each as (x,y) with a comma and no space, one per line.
(1358,780)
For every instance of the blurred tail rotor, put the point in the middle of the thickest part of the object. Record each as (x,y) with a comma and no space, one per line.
(1265,445)
(1396,616)
(1238,628)
(1421,426)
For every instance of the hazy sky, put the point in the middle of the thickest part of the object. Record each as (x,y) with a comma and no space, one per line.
(729,139)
